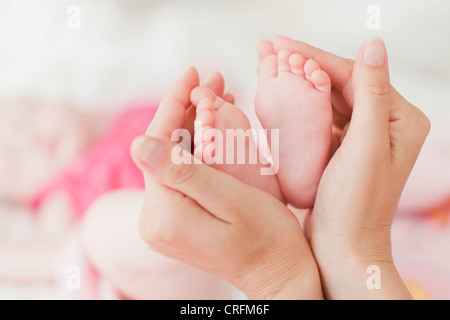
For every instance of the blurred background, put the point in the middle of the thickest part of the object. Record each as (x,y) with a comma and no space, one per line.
(102,55)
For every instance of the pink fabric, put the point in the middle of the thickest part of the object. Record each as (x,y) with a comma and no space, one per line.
(107,166)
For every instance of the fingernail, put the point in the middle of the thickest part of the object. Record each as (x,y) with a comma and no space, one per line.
(151,151)
(374,53)
(188,70)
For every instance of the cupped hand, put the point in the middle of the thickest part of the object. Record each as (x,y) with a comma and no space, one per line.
(379,135)
(215,222)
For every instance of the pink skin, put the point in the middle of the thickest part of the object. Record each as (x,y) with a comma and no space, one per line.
(294,96)
(214,112)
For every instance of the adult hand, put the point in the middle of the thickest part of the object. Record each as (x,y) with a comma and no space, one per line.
(382,135)
(214,221)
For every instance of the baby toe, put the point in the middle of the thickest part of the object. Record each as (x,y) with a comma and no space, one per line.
(321,81)
(268,67)
(297,63)
(310,67)
(200,93)
(283,61)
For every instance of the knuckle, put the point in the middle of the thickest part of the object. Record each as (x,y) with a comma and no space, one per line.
(377,87)
(145,231)
(182,173)
(425,123)
(420,125)
(149,238)
(374,154)
(349,62)
(160,234)
(157,231)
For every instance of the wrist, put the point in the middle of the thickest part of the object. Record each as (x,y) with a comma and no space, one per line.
(354,248)
(299,281)
(364,278)
(358,266)
(305,286)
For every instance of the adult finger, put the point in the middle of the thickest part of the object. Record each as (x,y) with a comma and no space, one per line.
(216,83)
(372,91)
(409,128)
(342,113)
(171,113)
(228,97)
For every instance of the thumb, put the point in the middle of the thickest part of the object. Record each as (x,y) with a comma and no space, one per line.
(160,160)
(372,93)
(214,190)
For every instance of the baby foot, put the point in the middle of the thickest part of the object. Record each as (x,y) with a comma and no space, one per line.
(294,96)
(223,150)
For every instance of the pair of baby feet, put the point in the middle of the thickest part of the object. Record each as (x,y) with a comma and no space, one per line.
(293,101)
